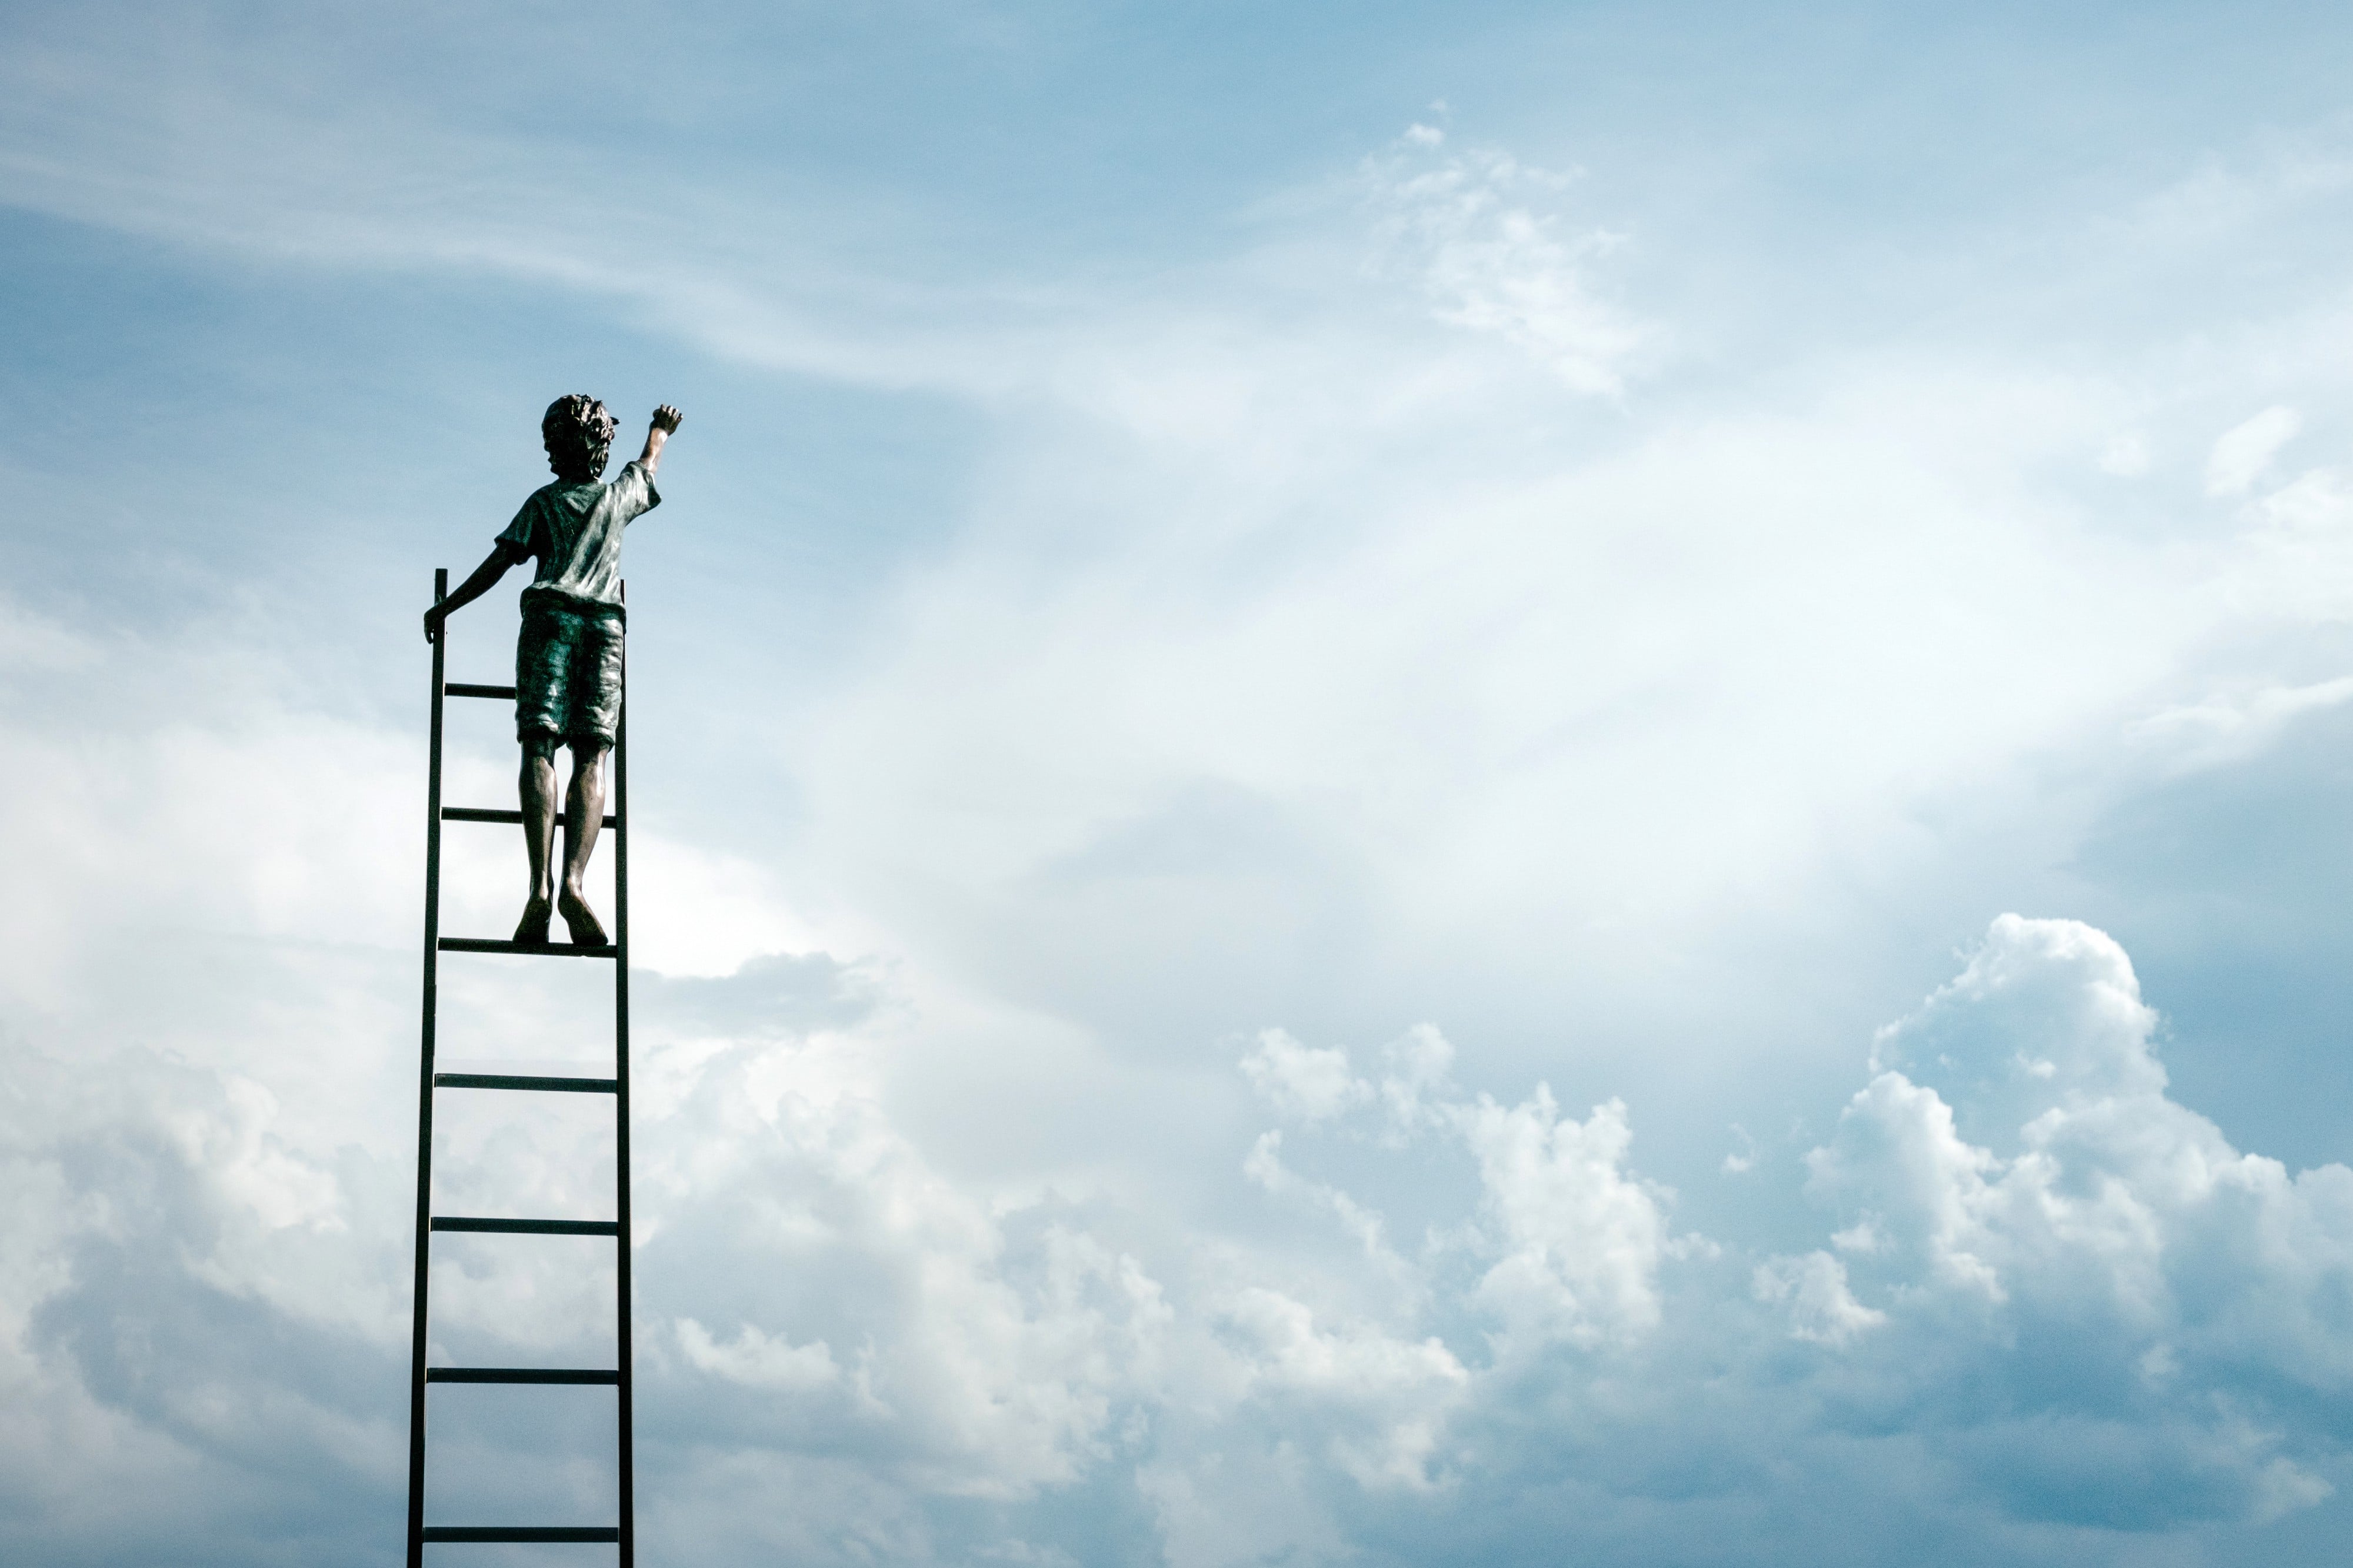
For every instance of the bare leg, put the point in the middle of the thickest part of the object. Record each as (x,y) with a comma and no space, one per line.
(584,814)
(537,787)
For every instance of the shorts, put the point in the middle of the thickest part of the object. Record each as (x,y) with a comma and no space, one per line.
(568,668)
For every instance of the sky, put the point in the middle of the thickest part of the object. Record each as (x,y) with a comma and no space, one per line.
(1410,783)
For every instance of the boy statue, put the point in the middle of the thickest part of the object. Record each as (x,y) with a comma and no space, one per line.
(569,658)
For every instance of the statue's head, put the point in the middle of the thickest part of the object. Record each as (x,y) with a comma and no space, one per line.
(579,437)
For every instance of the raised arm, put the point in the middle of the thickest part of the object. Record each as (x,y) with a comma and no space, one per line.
(665,420)
(494,567)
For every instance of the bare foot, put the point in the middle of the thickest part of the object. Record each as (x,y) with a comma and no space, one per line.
(532,927)
(580,920)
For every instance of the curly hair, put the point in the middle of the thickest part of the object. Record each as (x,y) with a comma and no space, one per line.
(579,437)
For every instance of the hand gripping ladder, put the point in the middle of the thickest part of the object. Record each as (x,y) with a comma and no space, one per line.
(618,1085)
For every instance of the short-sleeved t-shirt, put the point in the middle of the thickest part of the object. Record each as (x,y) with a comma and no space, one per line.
(574,533)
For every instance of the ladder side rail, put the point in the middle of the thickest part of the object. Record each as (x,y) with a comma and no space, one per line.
(624,1360)
(425,1099)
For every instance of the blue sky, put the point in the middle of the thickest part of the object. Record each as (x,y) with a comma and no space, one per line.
(1414,784)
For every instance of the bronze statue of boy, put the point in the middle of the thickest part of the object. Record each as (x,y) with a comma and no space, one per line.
(569,657)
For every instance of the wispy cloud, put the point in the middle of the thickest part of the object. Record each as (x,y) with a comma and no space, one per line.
(1485,238)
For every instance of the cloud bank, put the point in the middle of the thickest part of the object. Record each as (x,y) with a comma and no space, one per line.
(2046,1309)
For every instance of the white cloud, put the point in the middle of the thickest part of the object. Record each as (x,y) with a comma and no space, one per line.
(2040,1187)
(2232,728)
(1264,1165)
(1581,1237)
(2241,453)
(1822,1308)
(2047,1013)
(1573,1238)
(1299,1082)
(1401,1390)
(1741,1158)
(1413,1081)
(754,1357)
(1471,229)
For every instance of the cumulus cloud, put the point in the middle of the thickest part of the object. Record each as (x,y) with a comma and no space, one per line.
(1572,1240)
(1821,1307)
(1309,1084)
(2033,1239)
(1360,1376)
(1581,1238)
(2023,1185)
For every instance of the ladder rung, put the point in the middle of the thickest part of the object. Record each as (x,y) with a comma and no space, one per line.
(543,948)
(604,1532)
(491,813)
(518,1080)
(517,1375)
(529,1227)
(467,688)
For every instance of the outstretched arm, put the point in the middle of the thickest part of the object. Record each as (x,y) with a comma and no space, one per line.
(665,420)
(493,567)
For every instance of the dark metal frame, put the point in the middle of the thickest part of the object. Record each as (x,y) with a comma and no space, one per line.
(618,1085)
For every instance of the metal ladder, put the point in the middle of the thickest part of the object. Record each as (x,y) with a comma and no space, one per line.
(618,1085)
